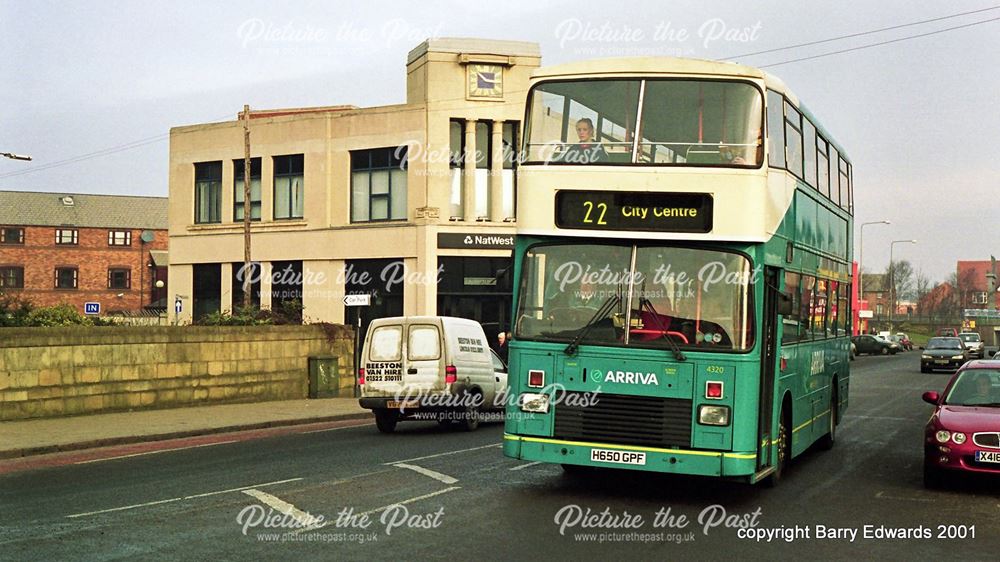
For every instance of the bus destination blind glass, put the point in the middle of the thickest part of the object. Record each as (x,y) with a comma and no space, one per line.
(632,210)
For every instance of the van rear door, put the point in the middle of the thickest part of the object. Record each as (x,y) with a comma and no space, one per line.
(383,361)
(424,357)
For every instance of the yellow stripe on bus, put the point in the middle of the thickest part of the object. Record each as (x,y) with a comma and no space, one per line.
(810,421)
(629,448)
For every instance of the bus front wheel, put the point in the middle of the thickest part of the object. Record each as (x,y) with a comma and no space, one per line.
(784,445)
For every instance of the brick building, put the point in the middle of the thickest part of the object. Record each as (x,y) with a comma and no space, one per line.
(973,290)
(74,248)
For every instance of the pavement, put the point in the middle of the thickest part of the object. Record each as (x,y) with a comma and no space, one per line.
(42,436)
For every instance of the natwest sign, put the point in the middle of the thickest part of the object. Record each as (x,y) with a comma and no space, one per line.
(475,241)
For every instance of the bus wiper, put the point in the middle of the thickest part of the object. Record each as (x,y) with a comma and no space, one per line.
(599,315)
(644,304)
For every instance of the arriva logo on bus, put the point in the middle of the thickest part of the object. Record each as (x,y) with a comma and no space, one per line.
(624,377)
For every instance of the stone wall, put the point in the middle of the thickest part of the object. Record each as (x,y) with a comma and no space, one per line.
(81,370)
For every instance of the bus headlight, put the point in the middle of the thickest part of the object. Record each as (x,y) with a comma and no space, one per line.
(537,403)
(713,415)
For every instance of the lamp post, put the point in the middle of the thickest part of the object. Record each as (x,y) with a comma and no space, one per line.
(861,260)
(892,279)
(861,256)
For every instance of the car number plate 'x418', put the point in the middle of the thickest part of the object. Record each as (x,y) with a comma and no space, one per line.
(988,456)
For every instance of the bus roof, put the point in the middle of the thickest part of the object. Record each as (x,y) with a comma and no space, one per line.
(646,66)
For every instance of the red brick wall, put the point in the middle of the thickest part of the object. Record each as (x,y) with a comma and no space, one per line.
(39,256)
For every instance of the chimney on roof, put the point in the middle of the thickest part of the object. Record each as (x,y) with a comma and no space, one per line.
(67,201)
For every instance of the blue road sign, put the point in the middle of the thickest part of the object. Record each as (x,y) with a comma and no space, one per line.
(177,306)
(92,308)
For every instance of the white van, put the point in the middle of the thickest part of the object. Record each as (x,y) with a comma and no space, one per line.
(429,368)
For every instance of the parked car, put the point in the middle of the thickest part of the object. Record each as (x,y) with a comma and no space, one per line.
(974,343)
(874,345)
(898,341)
(904,340)
(943,353)
(962,433)
(430,368)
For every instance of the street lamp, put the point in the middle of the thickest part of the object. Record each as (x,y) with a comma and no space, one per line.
(892,279)
(861,256)
(13,156)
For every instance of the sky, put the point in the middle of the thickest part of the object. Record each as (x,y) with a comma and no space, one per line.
(91,89)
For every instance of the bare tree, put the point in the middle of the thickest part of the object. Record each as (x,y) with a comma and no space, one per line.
(899,281)
(922,285)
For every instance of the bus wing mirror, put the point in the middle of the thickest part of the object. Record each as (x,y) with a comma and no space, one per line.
(784,304)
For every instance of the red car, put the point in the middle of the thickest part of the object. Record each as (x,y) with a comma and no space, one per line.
(963,434)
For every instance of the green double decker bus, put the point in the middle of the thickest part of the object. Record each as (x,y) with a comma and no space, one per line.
(682,272)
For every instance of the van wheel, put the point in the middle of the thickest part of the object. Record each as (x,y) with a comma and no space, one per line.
(386,420)
(470,415)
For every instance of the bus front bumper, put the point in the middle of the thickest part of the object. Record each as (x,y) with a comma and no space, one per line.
(673,461)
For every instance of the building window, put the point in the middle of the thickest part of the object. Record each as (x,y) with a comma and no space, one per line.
(207,192)
(11,277)
(119,238)
(238,176)
(456,163)
(67,236)
(11,235)
(509,174)
(484,161)
(119,278)
(289,191)
(979,297)
(378,184)
(66,277)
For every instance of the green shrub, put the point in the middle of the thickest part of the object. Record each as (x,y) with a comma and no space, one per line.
(60,315)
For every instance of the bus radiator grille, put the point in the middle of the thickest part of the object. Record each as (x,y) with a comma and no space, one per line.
(625,420)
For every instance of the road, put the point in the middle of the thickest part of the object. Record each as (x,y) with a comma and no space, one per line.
(462,499)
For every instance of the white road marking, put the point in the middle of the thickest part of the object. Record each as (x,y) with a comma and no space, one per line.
(157,452)
(240,489)
(882,496)
(524,466)
(444,478)
(304,519)
(385,507)
(336,428)
(445,454)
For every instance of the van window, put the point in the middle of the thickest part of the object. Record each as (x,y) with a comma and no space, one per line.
(424,344)
(386,343)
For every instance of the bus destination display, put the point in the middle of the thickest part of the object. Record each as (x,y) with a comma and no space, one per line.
(634,210)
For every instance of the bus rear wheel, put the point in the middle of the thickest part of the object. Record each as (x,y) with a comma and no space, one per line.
(826,442)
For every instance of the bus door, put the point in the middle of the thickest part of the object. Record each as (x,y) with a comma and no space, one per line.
(767,367)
